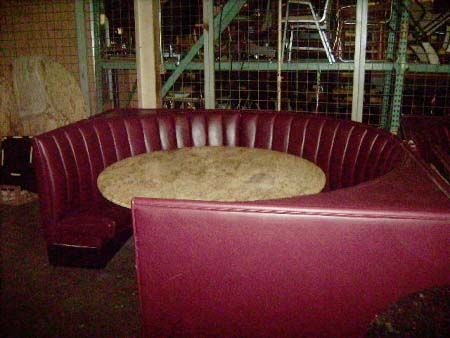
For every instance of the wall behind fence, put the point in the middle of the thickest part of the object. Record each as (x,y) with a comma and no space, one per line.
(39,28)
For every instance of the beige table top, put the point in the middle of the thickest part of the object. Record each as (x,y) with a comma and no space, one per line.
(210,174)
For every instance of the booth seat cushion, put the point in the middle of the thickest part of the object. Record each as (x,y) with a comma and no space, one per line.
(69,159)
(100,221)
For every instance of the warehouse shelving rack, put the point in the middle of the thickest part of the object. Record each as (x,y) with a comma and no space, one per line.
(393,69)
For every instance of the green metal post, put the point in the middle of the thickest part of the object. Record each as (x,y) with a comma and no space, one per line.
(400,68)
(82,52)
(97,60)
(267,66)
(221,21)
(393,27)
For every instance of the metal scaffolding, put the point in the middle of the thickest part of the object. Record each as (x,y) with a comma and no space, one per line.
(245,67)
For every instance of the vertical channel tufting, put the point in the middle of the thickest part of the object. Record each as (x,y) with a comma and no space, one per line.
(81,158)
(327,167)
(214,123)
(382,166)
(135,135)
(232,125)
(182,130)
(120,138)
(106,141)
(297,135)
(337,154)
(281,132)
(341,168)
(366,151)
(264,130)
(355,158)
(72,166)
(56,180)
(311,138)
(167,132)
(319,141)
(69,159)
(302,146)
(150,130)
(198,130)
(350,151)
(249,123)
(375,157)
(95,157)
(68,170)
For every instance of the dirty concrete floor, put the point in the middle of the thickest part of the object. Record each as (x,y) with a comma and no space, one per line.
(39,300)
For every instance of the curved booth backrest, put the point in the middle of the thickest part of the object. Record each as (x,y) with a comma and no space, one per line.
(69,159)
(348,153)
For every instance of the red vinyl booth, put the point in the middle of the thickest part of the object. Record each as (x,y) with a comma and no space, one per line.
(310,266)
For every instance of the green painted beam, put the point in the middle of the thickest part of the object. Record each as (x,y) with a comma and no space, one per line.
(426,68)
(400,67)
(292,66)
(393,25)
(97,61)
(221,21)
(82,52)
(272,66)
(118,64)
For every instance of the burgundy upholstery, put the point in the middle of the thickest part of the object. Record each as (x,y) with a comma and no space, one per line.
(68,160)
(430,137)
(310,266)
(238,270)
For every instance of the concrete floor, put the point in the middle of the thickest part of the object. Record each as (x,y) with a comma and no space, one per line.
(39,300)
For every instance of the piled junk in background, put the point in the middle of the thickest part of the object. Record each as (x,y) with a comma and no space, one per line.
(36,95)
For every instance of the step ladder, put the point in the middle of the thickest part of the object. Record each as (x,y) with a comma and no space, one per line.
(311,21)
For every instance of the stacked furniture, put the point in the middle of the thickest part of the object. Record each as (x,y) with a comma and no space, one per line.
(319,265)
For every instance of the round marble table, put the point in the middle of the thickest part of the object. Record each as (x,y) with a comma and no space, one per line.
(210,174)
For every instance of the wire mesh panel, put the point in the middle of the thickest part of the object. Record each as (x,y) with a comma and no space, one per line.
(425,89)
(317,51)
(247,55)
(375,98)
(115,53)
(181,29)
(117,33)
(407,53)
(246,44)
(118,88)
(426,94)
